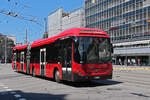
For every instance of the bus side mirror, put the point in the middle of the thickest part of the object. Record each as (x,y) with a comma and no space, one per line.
(112,49)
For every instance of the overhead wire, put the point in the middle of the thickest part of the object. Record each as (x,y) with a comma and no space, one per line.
(13,13)
(15,10)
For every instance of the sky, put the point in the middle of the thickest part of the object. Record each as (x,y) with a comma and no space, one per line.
(30,9)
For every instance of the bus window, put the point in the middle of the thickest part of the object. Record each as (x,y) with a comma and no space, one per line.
(42,56)
(35,55)
(92,50)
(18,57)
(52,53)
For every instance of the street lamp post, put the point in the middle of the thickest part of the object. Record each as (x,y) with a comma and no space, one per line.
(5,49)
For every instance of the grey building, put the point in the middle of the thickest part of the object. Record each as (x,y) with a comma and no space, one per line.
(59,20)
(6,45)
(128,24)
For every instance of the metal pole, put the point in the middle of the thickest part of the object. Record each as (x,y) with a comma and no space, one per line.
(5,50)
(46,32)
(45,20)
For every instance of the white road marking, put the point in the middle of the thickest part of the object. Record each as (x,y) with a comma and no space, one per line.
(5,87)
(1,84)
(17,95)
(22,99)
(8,89)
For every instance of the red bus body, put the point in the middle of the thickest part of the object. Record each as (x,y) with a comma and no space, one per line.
(42,66)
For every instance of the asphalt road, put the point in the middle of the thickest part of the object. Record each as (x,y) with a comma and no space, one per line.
(125,85)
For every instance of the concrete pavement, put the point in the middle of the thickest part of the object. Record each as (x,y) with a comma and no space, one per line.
(125,85)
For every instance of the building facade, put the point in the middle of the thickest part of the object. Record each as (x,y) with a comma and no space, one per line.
(6,45)
(128,24)
(59,20)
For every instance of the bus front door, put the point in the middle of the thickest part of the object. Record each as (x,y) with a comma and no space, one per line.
(42,61)
(22,61)
(67,63)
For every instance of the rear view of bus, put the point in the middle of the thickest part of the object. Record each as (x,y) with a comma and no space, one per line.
(92,55)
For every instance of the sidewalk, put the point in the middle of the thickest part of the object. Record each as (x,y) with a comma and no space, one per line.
(131,66)
(124,67)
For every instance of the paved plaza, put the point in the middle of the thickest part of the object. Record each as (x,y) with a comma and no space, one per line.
(125,85)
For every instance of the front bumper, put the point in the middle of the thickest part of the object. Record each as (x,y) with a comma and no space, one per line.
(77,78)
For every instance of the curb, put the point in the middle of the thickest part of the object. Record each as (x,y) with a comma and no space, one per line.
(131,68)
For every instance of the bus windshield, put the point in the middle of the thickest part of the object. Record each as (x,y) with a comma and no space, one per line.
(92,50)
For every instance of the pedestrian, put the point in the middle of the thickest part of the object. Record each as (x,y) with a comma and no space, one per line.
(120,62)
(139,62)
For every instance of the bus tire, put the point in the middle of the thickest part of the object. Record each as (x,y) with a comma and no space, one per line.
(33,72)
(57,78)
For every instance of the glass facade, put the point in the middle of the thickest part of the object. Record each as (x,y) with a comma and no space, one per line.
(123,20)
(128,24)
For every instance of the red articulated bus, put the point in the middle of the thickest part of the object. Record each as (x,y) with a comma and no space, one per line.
(74,55)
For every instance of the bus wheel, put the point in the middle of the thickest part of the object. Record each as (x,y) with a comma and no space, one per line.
(57,79)
(33,72)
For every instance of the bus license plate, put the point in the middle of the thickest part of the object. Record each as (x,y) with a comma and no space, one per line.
(96,77)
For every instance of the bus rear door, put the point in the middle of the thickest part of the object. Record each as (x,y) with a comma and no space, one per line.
(22,61)
(42,61)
